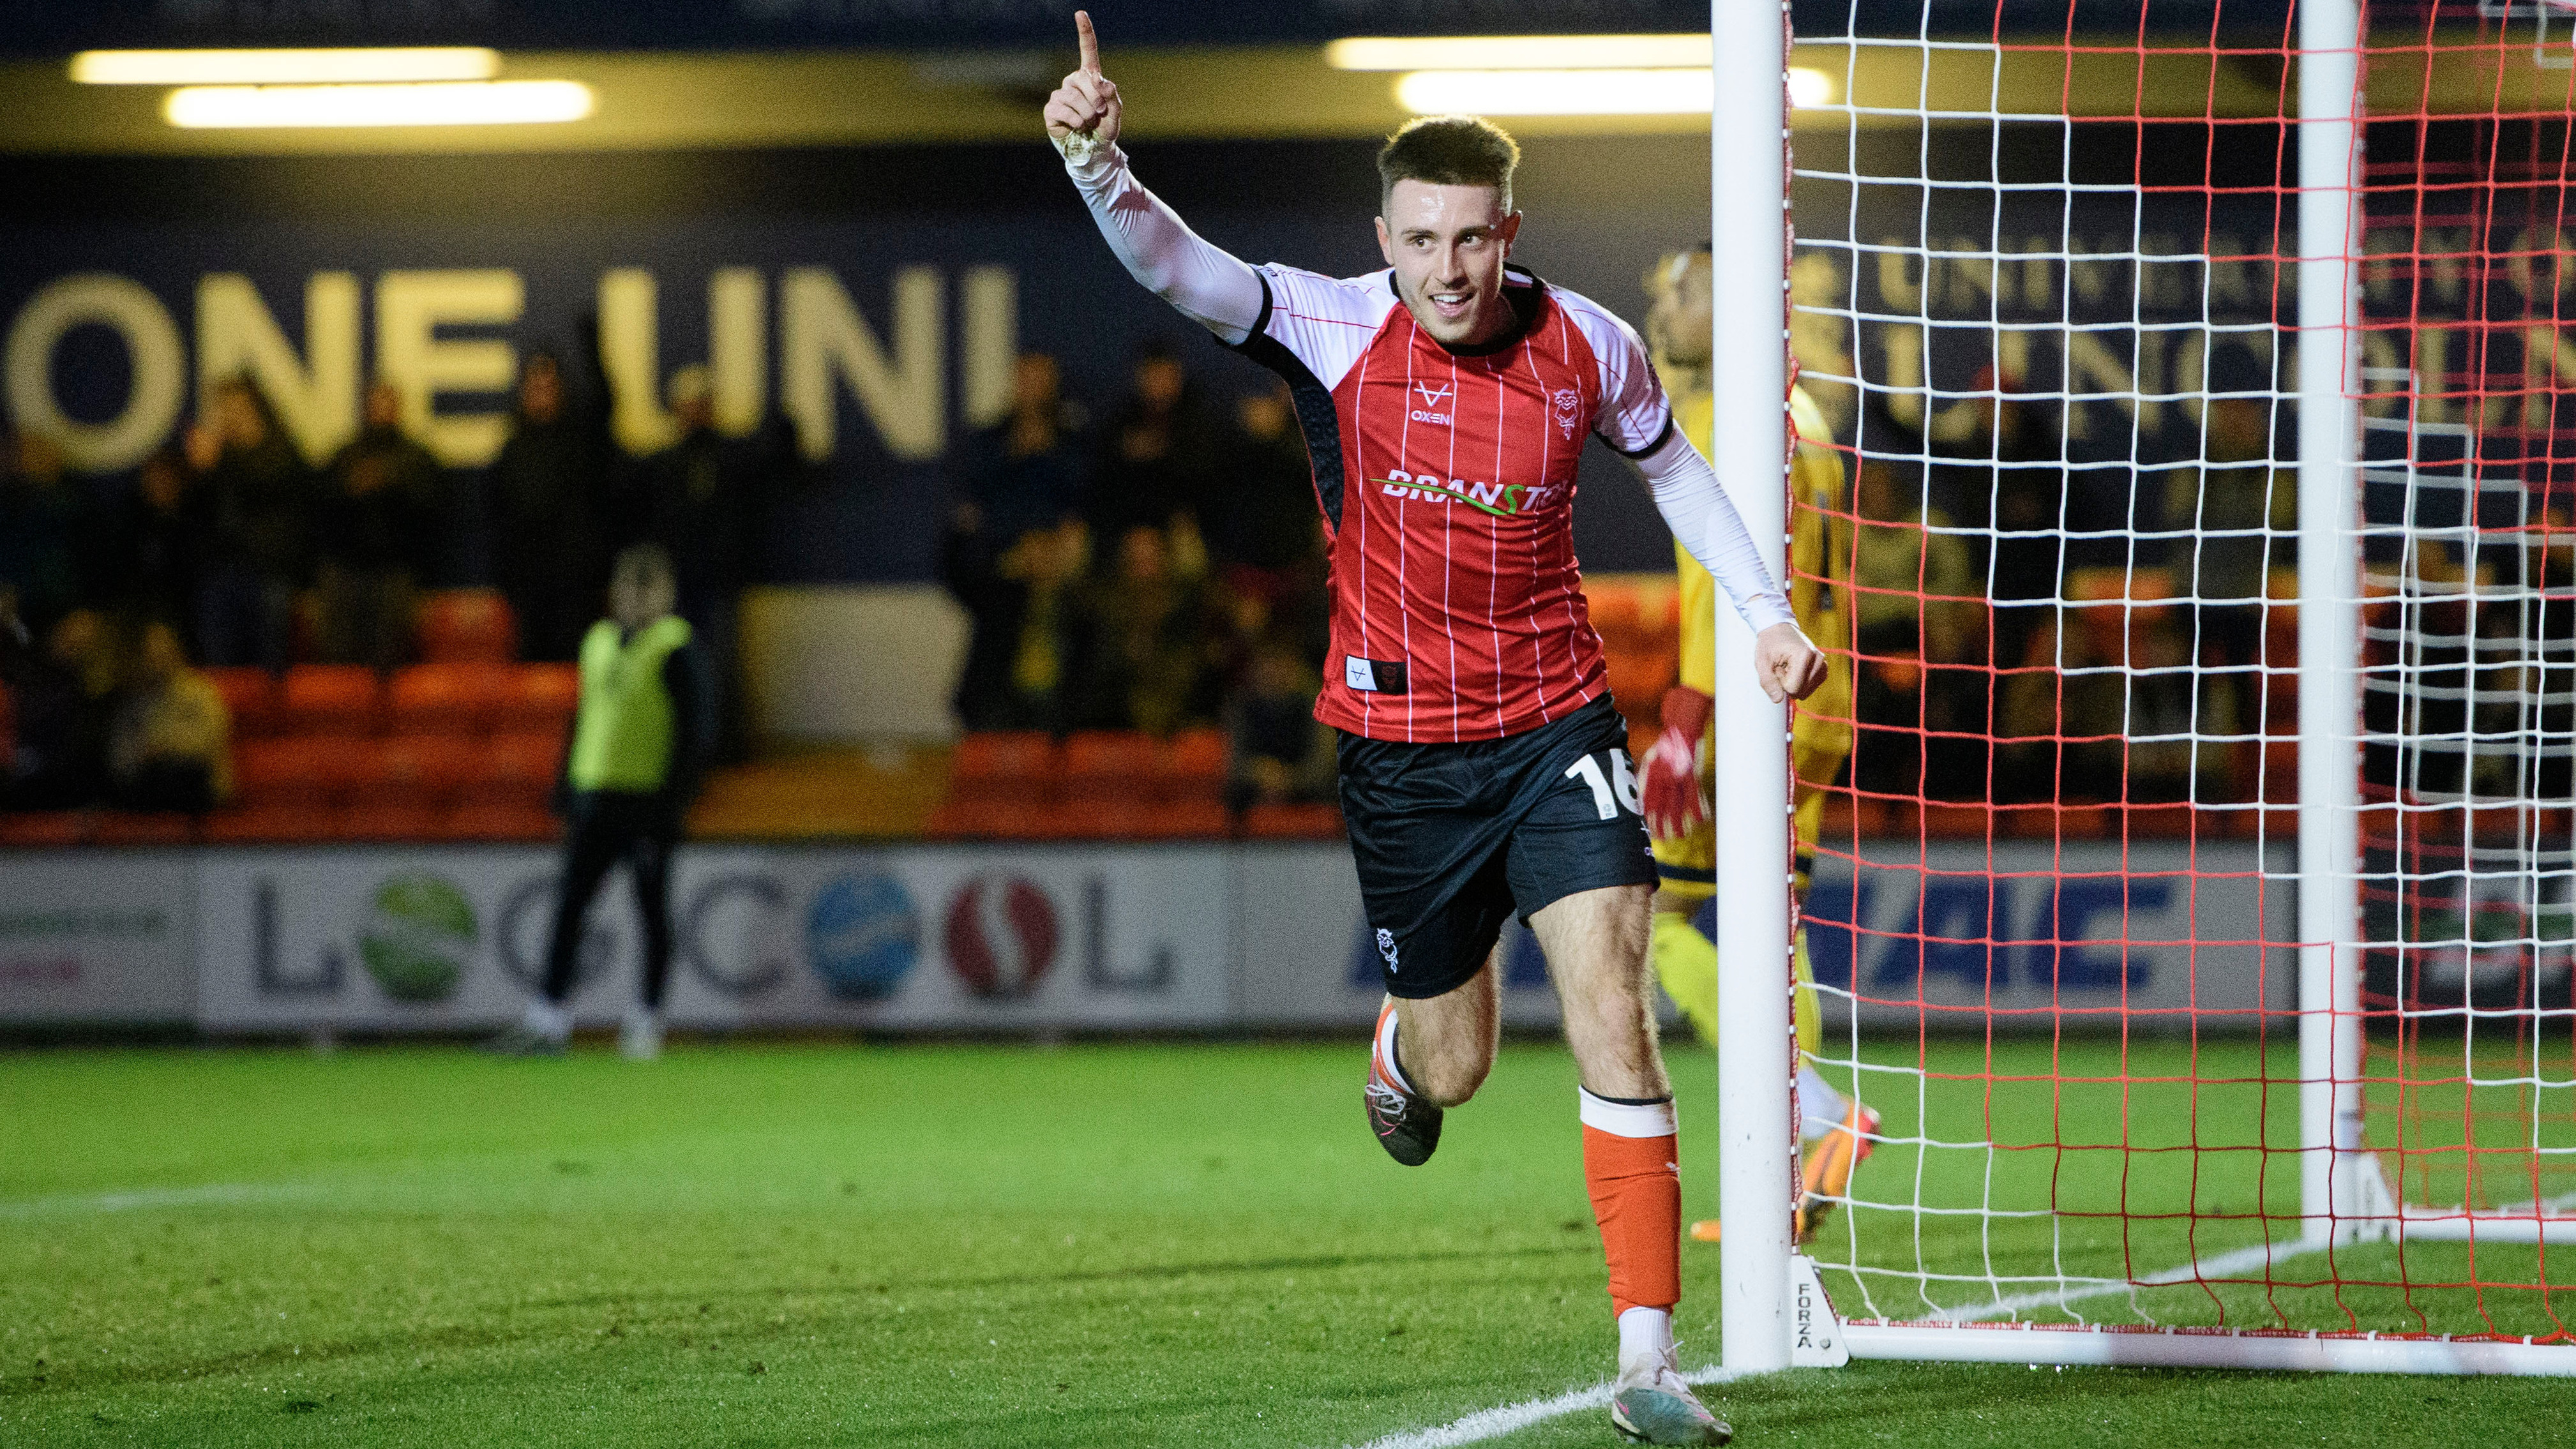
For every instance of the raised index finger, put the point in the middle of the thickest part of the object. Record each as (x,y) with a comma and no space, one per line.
(1090,41)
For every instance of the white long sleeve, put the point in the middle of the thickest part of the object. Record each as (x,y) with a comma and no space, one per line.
(1700,514)
(1207,284)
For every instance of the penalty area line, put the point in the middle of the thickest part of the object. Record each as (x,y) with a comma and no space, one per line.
(1494,1423)
(157,1197)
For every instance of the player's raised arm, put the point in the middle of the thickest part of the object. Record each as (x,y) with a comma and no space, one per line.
(1207,285)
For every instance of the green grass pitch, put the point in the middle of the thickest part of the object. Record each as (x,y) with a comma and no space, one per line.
(1137,1245)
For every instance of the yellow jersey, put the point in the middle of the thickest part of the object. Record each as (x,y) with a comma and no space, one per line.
(1818,588)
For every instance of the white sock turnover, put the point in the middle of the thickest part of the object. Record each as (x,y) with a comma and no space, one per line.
(1643,1332)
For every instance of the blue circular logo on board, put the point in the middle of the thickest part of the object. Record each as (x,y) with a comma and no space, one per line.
(863,936)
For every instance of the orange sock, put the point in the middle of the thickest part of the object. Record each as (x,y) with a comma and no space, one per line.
(1631,1164)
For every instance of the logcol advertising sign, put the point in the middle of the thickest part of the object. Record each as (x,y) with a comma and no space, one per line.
(99,937)
(921,939)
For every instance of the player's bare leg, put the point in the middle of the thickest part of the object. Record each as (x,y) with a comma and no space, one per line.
(1596,944)
(1430,1054)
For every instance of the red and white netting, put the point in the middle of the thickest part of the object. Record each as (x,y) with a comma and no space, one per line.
(2045,289)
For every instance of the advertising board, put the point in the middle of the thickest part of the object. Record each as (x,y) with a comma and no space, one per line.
(939,938)
(98,937)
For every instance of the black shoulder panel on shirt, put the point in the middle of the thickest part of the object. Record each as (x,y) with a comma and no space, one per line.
(1650,447)
(1317,418)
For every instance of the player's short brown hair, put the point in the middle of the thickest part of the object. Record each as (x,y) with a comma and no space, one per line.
(1449,151)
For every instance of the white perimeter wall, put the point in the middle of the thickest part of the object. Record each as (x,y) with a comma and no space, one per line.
(1016,938)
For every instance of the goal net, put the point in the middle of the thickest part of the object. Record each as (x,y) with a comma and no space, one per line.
(2190,901)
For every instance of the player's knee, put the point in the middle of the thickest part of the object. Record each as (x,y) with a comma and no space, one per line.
(1449,1080)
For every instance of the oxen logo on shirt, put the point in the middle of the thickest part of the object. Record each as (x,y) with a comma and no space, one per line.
(1569,407)
(1432,397)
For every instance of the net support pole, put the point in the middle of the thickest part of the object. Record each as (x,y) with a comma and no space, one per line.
(1749,378)
(2329,619)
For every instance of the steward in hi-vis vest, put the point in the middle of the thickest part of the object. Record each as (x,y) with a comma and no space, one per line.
(640,741)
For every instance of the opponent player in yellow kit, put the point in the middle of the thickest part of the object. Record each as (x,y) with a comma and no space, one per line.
(1677,775)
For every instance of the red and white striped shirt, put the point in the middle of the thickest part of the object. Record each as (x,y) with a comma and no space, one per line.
(1447,482)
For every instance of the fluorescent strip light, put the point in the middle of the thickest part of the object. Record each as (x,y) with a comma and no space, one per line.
(1557,92)
(1519,52)
(457,103)
(287,67)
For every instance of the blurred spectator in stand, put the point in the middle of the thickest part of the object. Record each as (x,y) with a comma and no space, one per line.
(61,695)
(2241,517)
(373,532)
(545,491)
(1261,519)
(706,501)
(169,744)
(258,503)
(1027,471)
(1919,592)
(1157,456)
(1919,603)
(1020,480)
(1017,658)
(39,522)
(142,558)
(2027,564)
(1143,638)
(1279,753)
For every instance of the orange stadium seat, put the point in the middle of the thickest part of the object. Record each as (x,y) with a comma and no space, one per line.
(420,768)
(1317,821)
(1012,755)
(289,770)
(1202,818)
(1110,766)
(44,827)
(389,820)
(1638,681)
(519,768)
(273,824)
(494,820)
(1614,608)
(538,697)
(129,827)
(333,699)
(458,698)
(467,626)
(1194,763)
(250,697)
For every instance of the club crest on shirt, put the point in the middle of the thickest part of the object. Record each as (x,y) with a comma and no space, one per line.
(1569,406)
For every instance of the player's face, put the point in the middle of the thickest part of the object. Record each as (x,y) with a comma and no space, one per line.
(1447,245)
(1680,323)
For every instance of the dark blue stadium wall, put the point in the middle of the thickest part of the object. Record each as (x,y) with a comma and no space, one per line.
(1600,211)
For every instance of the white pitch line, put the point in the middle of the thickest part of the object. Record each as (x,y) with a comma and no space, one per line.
(154,1197)
(2225,1265)
(1511,1418)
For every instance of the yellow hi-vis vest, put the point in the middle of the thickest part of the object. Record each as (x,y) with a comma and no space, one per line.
(622,738)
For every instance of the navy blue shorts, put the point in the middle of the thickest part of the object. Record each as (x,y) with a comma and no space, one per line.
(1451,839)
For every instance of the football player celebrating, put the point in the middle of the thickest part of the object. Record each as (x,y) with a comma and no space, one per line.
(1445,401)
(1677,774)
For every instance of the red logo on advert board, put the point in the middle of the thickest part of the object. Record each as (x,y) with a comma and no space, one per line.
(1002,936)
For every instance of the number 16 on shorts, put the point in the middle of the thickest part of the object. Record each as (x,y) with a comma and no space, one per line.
(1612,782)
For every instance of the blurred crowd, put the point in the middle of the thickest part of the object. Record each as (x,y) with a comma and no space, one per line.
(2031,630)
(1156,569)
(2027,629)
(230,549)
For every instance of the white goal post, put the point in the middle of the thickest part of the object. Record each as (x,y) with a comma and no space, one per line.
(2293,1232)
